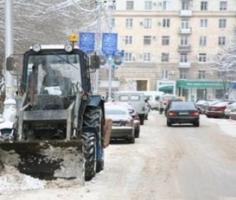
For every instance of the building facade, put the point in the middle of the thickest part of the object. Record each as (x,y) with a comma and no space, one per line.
(173,41)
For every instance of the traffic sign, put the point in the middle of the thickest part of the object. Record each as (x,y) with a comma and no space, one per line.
(87,41)
(109,43)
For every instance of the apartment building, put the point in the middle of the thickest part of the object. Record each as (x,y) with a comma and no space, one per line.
(171,44)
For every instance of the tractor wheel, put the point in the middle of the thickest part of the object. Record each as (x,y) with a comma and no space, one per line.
(90,154)
(93,118)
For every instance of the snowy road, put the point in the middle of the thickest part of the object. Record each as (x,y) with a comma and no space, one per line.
(165,163)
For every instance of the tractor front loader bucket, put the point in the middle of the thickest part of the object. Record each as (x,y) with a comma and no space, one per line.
(45,160)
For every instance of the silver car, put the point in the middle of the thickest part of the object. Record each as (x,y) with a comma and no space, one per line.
(122,123)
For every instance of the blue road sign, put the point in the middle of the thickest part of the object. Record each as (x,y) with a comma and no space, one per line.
(109,43)
(87,41)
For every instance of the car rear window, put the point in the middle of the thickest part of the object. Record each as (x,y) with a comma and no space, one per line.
(182,105)
(115,112)
(134,97)
(124,98)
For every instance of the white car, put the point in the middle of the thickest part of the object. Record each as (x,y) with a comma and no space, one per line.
(153,98)
(230,108)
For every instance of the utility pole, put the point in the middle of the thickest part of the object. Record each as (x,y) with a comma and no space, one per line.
(98,42)
(8,43)
(9,103)
(110,9)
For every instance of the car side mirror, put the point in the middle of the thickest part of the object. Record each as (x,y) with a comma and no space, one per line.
(10,63)
(94,61)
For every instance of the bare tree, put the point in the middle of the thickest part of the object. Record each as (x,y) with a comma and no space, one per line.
(225,65)
(47,21)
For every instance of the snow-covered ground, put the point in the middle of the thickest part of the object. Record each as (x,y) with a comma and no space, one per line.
(227,126)
(166,163)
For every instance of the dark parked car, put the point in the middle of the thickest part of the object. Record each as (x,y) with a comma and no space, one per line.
(182,112)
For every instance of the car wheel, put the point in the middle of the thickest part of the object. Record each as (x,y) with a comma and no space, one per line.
(196,124)
(137,132)
(141,120)
(168,123)
(131,140)
(161,110)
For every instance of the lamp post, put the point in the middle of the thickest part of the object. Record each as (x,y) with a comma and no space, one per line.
(98,41)
(9,110)
(110,9)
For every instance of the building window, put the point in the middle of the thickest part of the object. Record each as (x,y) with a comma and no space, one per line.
(129,23)
(148,5)
(183,73)
(202,57)
(147,40)
(222,23)
(128,39)
(221,41)
(185,5)
(183,58)
(201,74)
(164,57)
(184,23)
(147,56)
(147,23)
(223,5)
(166,22)
(164,5)
(204,5)
(203,23)
(165,40)
(184,40)
(203,41)
(128,56)
(129,5)
(164,74)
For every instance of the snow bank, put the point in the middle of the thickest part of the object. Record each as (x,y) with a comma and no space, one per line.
(11,180)
(228,126)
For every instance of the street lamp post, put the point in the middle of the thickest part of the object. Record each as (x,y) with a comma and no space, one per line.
(9,109)
(98,42)
(110,9)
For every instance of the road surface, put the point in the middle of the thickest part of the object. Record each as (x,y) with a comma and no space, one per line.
(165,163)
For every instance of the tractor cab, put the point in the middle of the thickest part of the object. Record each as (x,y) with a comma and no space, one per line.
(52,77)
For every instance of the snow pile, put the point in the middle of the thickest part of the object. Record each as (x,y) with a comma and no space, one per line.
(228,126)
(72,162)
(11,180)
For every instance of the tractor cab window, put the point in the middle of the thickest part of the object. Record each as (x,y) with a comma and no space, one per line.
(55,74)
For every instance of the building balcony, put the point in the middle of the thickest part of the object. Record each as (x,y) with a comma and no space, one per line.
(184,65)
(184,48)
(186,13)
(185,30)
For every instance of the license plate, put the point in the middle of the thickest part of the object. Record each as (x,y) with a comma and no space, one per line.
(183,113)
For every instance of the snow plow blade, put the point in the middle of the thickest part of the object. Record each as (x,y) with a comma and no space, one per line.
(45,160)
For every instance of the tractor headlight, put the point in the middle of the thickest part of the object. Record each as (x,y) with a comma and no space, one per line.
(36,47)
(68,48)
